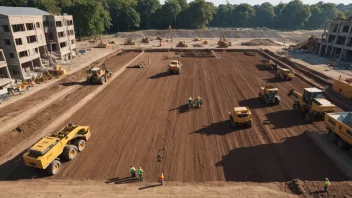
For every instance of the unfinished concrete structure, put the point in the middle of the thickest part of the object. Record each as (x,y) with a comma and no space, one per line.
(4,71)
(60,36)
(336,41)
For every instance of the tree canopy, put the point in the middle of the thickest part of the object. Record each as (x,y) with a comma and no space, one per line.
(98,16)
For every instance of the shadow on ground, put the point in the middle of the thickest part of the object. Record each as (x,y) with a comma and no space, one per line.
(124,180)
(295,158)
(219,128)
(160,75)
(184,108)
(291,119)
(67,84)
(254,103)
(150,186)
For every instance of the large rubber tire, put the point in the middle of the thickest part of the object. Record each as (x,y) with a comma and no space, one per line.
(333,137)
(101,81)
(307,116)
(70,152)
(342,144)
(249,123)
(80,144)
(296,107)
(54,167)
(277,100)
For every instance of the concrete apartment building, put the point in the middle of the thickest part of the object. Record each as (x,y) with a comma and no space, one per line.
(4,71)
(336,40)
(26,34)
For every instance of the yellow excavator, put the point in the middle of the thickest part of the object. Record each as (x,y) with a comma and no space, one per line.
(222,42)
(102,43)
(311,103)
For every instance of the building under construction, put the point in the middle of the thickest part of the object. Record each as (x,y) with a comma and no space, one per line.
(336,42)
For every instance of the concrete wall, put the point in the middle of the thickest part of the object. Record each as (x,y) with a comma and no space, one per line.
(4,71)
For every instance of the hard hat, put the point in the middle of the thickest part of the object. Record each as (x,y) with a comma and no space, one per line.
(326,179)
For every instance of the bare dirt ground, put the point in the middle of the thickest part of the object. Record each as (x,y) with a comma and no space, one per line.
(47,115)
(142,119)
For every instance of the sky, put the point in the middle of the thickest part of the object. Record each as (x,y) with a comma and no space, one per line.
(274,2)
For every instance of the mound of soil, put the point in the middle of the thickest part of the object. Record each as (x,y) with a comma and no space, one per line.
(296,186)
(258,42)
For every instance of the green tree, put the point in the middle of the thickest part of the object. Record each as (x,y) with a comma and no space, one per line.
(183,3)
(244,15)
(223,16)
(296,14)
(169,11)
(146,9)
(123,14)
(15,3)
(265,15)
(341,15)
(201,13)
(47,5)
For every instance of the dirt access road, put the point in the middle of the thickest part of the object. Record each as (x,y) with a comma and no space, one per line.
(141,119)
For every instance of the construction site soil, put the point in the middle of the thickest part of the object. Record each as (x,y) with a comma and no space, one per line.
(141,118)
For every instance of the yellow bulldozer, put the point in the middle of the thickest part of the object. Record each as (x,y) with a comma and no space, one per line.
(98,76)
(129,41)
(182,44)
(147,39)
(240,116)
(311,103)
(222,42)
(268,94)
(196,39)
(284,74)
(175,67)
(48,152)
(57,71)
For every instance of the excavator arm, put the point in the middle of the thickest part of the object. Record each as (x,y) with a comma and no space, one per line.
(294,93)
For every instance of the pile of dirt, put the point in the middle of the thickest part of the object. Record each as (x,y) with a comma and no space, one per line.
(349,80)
(258,42)
(198,54)
(297,187)
(211,33)
(197,45)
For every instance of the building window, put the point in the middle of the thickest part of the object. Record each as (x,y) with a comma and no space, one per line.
(63,44)
(18,28)
(12,55)
(30,26)
(23,54)
(58,24)
(18,41)
(7,42)
(70,22)
(38,25)
(6,28)
(72,41)
(61,34)
(31,39)
(71,32)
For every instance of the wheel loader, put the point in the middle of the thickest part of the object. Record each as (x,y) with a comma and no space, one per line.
(98,76)
(175,67)
(222,42)
(311,103)
(284,74)
(268,94)
(48,153)
(240,116)
(182,44)
(129,42)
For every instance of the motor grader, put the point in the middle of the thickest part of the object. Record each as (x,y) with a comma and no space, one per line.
(240,116)
(129,42)
(284,74)
(98,76)
(268,94)
(311,103)
(222,42)
(48,152)
(175,67)
(182,44)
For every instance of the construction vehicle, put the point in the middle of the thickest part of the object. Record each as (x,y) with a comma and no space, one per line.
(311,103)
(205,42)
(343,87)
(158,38)
(182,44)
(284,74)
(98,76)
(175,67)
(129,41)
(146,39)
(196,39)
(102,43)
(240,116)
(268,94)
(222,42)
(48,152)
(339,126)
(57,71)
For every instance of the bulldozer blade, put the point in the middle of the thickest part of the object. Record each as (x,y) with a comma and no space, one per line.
(291,92)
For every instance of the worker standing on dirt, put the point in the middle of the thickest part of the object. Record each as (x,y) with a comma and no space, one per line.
(161,179)
(190,102)
(133,172)
(140,173)
(326,184)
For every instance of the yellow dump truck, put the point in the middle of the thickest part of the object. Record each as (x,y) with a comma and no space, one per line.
(240,116)
(339,126)
(343,87)
(311,103)
(47,153)
(285,74)
(175,67)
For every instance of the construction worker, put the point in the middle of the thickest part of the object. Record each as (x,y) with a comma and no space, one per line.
(161,179)
(190,102)
(326,184)
(133,172)
(140,173)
